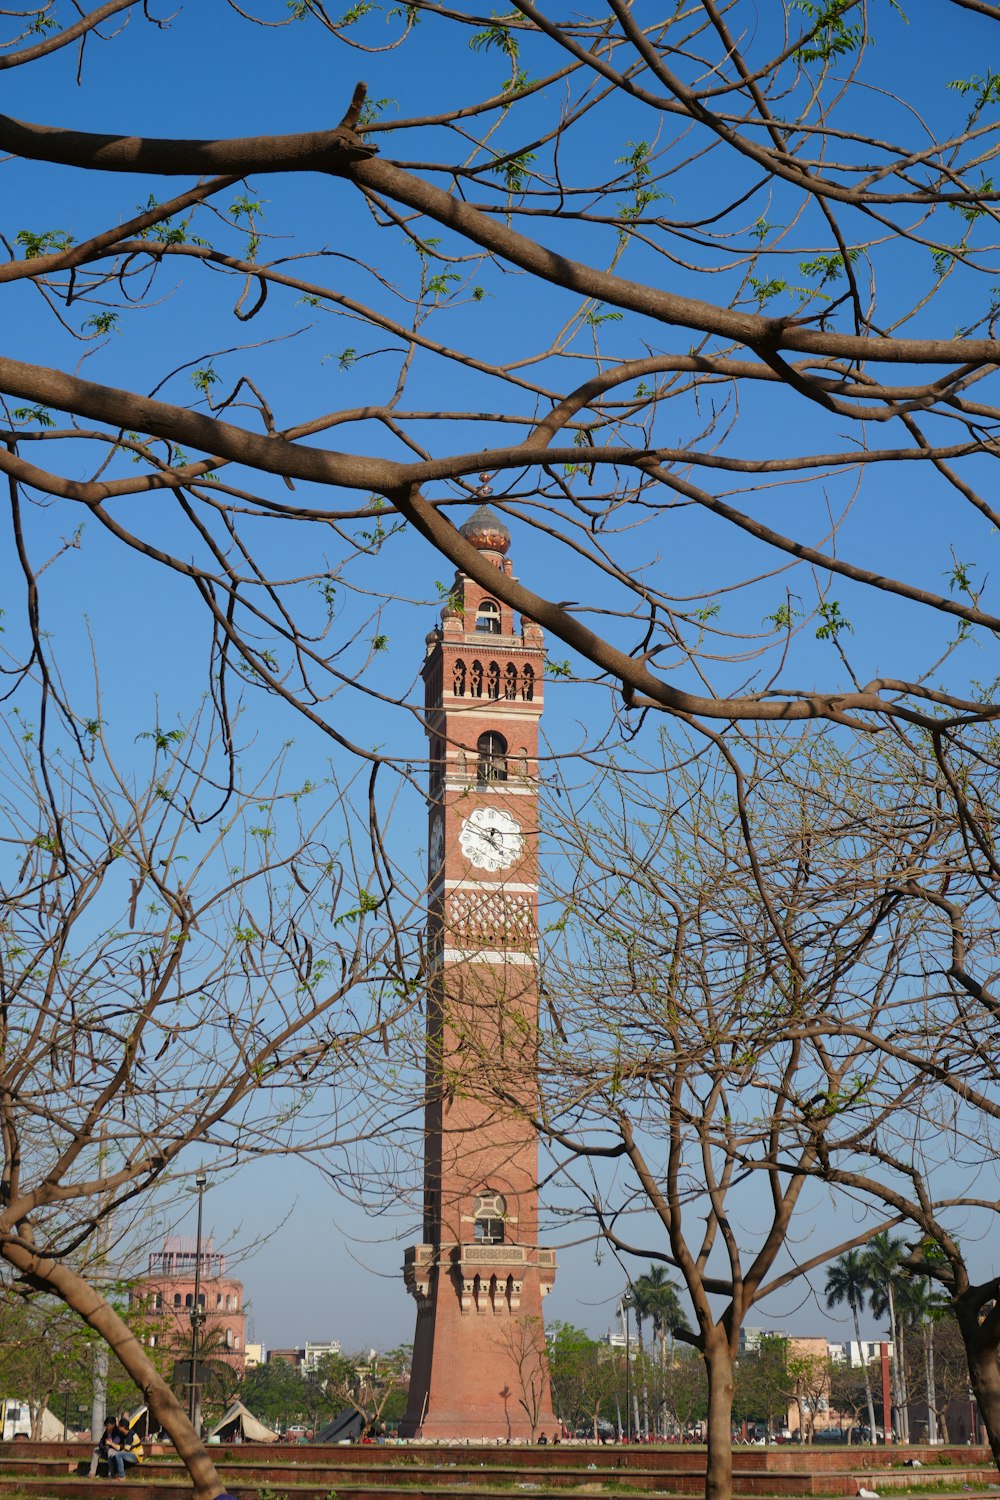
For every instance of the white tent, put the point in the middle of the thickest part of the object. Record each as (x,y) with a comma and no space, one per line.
(238,1420)
(52,1427)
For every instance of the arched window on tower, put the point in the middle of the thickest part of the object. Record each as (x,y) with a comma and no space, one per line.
(488,617)
(491,765)
(528,684)
(490,1213)
(458,679)
(177,1299)
(510,681)
(476,680)
(493,680)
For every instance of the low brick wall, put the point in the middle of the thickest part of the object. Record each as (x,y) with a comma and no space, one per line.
(52,1471)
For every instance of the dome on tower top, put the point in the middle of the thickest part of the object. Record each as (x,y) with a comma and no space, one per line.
(485,530)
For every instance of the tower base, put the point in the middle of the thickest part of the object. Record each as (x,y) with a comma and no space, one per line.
(480,1364)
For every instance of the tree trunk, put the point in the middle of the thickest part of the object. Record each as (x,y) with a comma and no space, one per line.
(719,1459)
(800,1408)
(894,1369)
(869,1398)
(643,1426)
(932,1428)
(84,1300)
(670,1385)
(985,1372)
(904,1387)
(978,1313)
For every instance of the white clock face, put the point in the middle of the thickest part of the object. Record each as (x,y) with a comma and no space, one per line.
(436,844)
(491,839)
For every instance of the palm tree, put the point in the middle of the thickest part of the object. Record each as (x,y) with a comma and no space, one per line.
(918,1306)
(847,1281)
(883,1259)
(639,1308)
(659,1298)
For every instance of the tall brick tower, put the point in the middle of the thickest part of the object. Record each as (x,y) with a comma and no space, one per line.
(479,1365)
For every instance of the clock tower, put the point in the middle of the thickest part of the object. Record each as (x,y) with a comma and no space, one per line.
(479,1361)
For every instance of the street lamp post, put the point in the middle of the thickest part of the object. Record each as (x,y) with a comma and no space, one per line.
(627,1300)
(197,1311)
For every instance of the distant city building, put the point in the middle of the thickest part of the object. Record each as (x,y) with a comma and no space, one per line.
(294,1357)
(168,1289)
(256,1354)
(314,1352)
(750,1337)
(809,1357)
(854,1354)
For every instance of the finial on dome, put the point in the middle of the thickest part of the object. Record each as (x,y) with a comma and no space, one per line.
(484,528)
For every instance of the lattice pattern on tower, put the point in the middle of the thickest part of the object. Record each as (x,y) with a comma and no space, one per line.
(490,919)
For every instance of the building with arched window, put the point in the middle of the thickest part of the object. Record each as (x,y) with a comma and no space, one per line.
(167,1291)
(491,757)
(488,617)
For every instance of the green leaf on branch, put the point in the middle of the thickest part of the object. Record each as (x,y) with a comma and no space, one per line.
(33,414)
(946,257)
(366,903)
(516,82)
(783,617)
(831,35)
(496,36)
(514,170)
(596,317)
(984,87)
(765,290)
(355,13)
(833,622)
(49,242)
(827,267)
(204,379)
(247,207)
(637,158)
(103,323)
(163,738)
(974,210)
(373,109)
(439,285)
